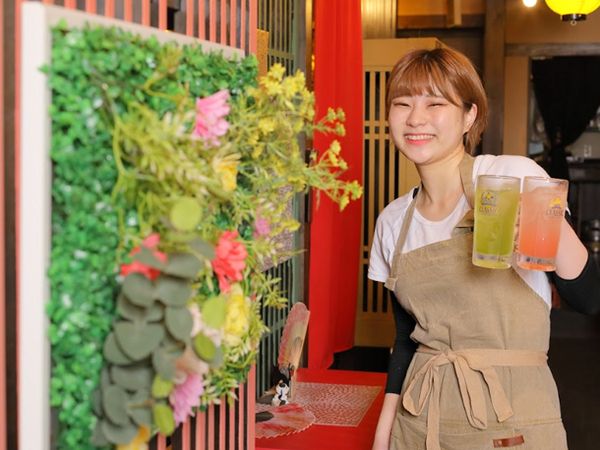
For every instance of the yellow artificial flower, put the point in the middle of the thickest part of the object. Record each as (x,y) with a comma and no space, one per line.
(237,315)
(294,84)
(276,72)
(335,147)
(344,202)
(266,125)
(226,170)
(253,138)
(257,150)
(139,442)
(333,158)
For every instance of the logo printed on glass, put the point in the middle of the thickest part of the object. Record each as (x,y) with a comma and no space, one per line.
(554,208)
(489,203)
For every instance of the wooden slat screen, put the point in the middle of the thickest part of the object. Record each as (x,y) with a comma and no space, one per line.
(278,17)
(221,427)
(283,20)
(387,176)
(381,183)
(228,22)
(275,320)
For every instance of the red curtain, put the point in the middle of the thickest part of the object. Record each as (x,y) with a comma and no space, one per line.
(335,244)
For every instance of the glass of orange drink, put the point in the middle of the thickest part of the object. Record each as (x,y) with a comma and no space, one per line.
(543,203)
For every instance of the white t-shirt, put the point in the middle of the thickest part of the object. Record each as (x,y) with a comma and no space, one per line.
(424,232)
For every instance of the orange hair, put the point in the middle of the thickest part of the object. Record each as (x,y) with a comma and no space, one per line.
(442,72)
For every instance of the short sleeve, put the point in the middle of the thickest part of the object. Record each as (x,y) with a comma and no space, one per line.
(379,268)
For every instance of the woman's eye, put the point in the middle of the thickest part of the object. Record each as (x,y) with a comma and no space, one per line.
(436,104)
(403,104)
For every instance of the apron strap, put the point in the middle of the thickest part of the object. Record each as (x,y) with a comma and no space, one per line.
(391,281)
(466,176)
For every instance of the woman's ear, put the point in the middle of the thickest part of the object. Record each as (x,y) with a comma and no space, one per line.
(470,117)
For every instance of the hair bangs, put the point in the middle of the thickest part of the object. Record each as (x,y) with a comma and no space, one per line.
(421,77)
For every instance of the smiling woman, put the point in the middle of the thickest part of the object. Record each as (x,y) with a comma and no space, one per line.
(473,326)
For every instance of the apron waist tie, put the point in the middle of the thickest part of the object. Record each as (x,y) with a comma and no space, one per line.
(466,364)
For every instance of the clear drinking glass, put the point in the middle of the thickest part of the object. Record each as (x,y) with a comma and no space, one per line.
(496,206)
(543,203)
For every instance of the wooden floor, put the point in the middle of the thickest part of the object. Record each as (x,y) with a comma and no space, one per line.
(574,359)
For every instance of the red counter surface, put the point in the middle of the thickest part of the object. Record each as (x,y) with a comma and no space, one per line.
(324,437)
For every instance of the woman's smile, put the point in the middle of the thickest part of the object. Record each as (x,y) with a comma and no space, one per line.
(418,139)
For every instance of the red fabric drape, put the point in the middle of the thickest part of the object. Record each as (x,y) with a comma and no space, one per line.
(334,236)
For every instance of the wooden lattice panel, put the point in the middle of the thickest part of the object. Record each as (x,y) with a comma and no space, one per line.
(387,175)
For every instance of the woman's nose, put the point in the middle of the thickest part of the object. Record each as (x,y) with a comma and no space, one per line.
(417,116)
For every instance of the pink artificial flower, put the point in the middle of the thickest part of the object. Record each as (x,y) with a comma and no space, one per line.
(262,227)
(151,243)
(210,117)
(186,396)
(188,363)
(229,262)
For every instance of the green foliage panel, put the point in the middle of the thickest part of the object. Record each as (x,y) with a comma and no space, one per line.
(94,73)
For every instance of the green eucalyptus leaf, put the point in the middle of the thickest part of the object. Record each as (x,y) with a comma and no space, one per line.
(161,388)
(203,248)
(138,340)
(217,360)
(164,363)
(113,353)
(147,258)
(128,310)
(204,347)
(172,291)
(163,418)
(114,403)
(138,289)
(184,265)
(175,346)
(132,378)
(179,322)
(155,312)
(98,437)
(119,434)
(185,214)
(139,408)
(105,380)
(213,312)
(97,402)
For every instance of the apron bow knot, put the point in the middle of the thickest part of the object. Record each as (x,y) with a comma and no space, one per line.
(472,368)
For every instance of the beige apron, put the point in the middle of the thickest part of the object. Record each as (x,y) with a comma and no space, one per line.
(479,379)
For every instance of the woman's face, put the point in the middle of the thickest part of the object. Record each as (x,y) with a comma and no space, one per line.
(428,128)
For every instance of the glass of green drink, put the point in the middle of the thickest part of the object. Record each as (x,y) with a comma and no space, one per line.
(496,206)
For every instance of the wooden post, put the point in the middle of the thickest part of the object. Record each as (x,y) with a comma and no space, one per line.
(454,16)
(493,74)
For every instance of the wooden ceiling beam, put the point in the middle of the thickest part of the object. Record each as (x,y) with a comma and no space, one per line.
(493,75)
(406,22)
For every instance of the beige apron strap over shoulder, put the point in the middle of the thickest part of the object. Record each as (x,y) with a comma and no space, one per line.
(390,283)
(466,176)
